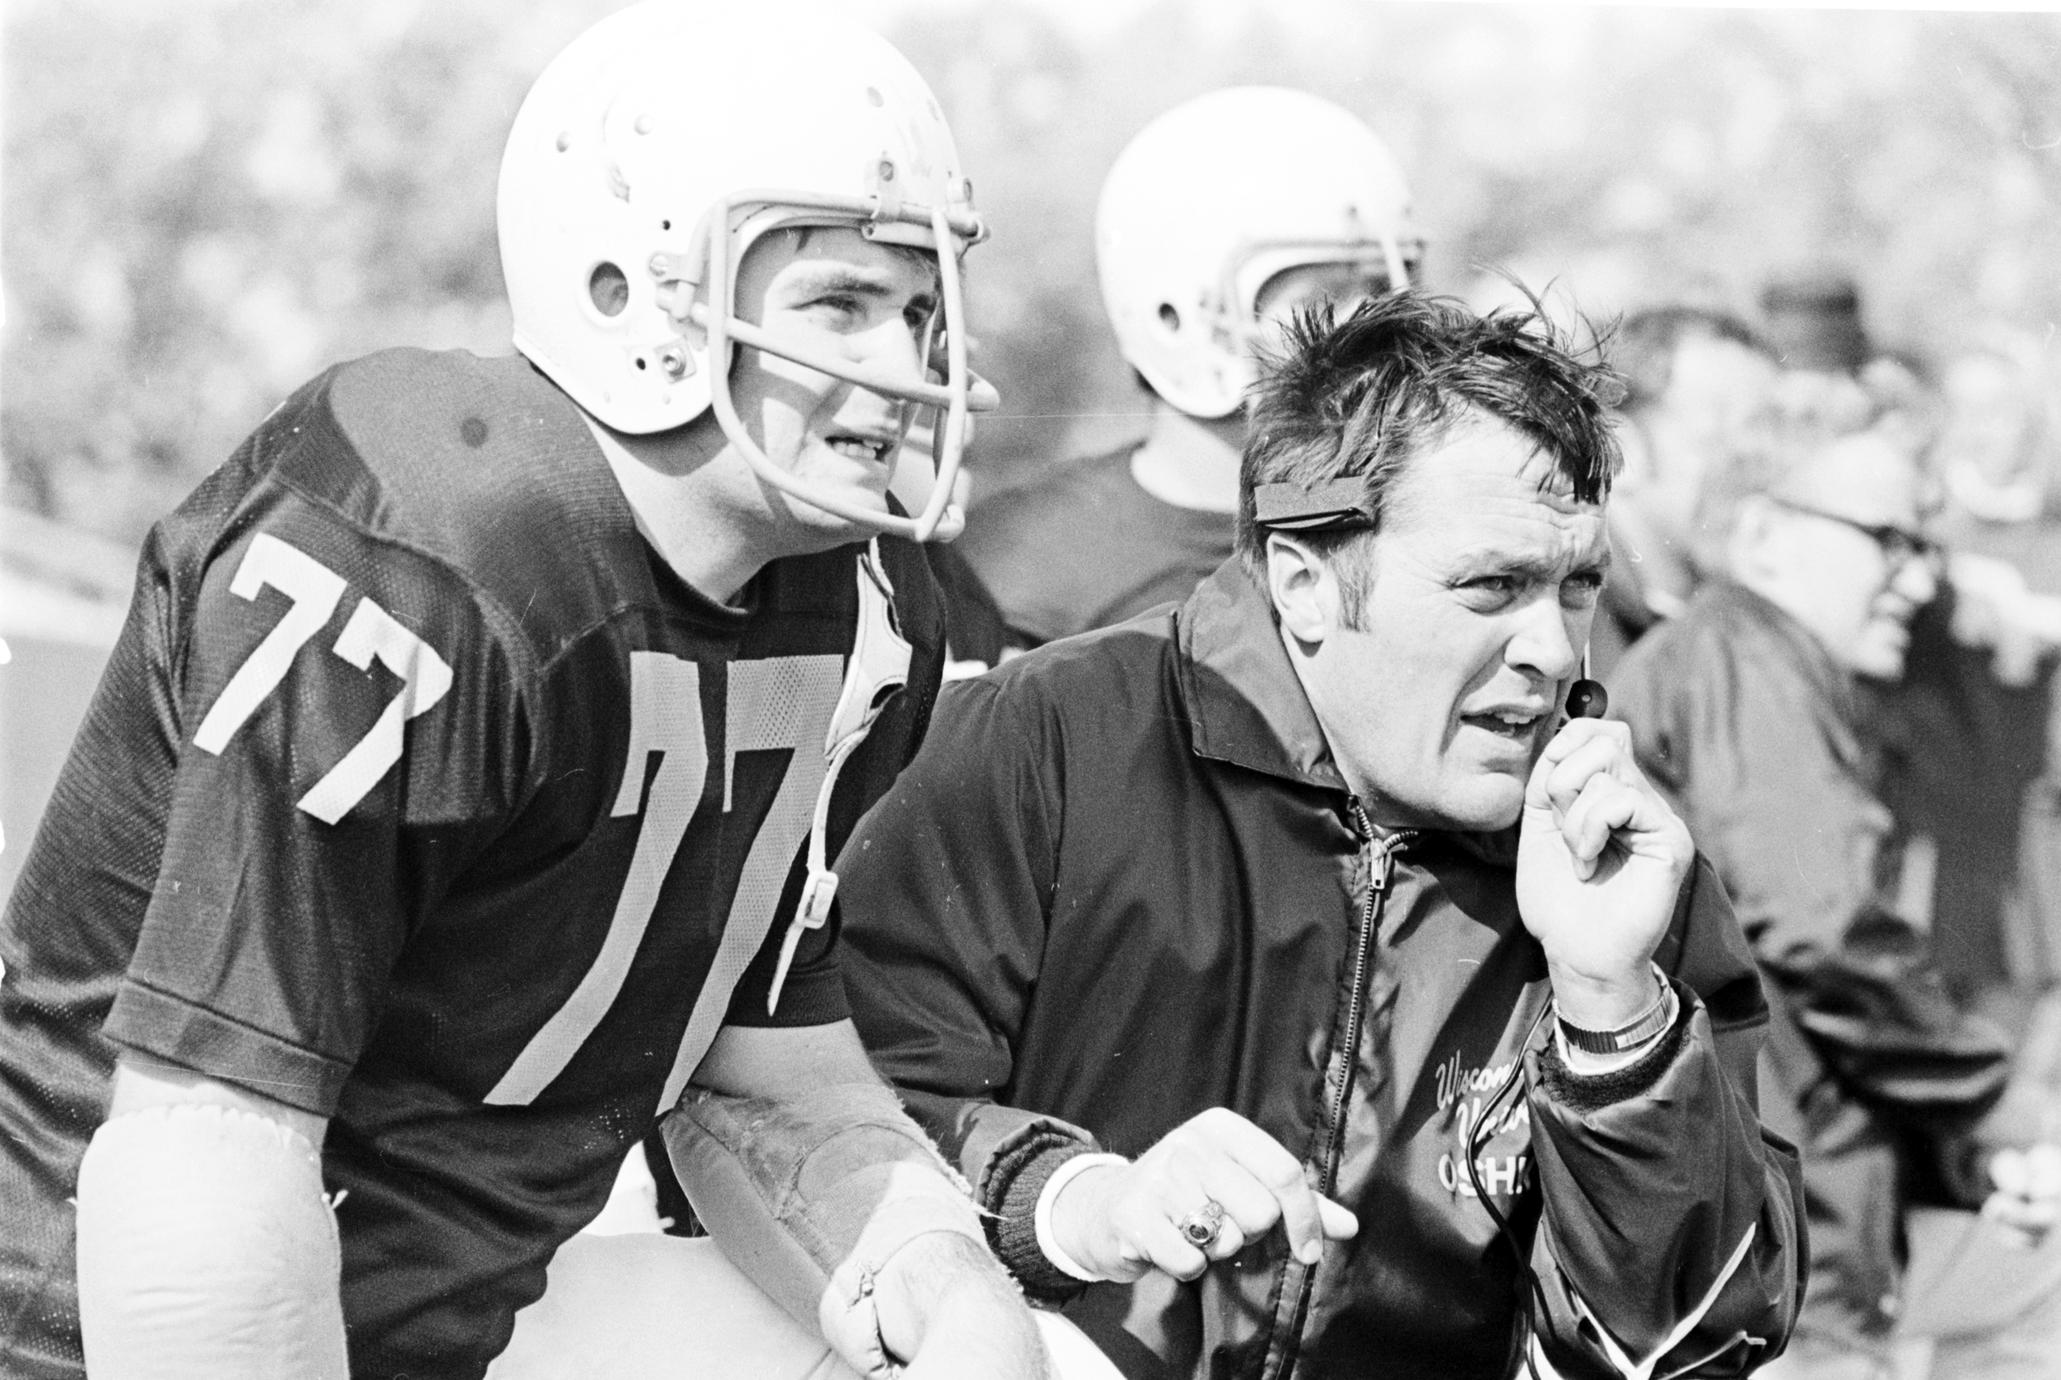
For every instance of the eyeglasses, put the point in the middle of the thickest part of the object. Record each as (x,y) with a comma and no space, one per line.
(1900,545)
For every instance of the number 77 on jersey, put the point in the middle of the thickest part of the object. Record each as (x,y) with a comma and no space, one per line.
(314,591)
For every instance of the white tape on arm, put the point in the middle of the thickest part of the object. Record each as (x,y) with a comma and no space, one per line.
(207,1250)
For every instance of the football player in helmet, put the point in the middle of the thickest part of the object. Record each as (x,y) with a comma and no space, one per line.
(458,796)
(1216,221)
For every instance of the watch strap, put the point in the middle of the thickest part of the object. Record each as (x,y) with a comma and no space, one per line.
(1639,1030)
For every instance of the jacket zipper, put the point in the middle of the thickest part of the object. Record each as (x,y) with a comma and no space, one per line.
(1378,876)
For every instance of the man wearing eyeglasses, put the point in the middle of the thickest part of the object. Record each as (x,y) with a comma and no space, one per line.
(1745,710)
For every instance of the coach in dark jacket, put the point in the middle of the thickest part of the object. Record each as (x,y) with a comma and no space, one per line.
(1241,889)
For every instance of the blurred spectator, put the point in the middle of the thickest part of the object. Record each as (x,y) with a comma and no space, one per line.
(1973,734)
(1975,724)
(1813,318)
(1744,707)
(1972,772)
(1997,457)
(1694,377)
(1971,731)
(1219,219)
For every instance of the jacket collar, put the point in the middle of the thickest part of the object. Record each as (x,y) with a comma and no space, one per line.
(1243,701)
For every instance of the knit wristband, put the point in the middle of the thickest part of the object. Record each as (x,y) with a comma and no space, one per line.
(1009,1191)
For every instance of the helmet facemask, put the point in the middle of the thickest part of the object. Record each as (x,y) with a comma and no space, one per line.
(1378,264)
(956,393)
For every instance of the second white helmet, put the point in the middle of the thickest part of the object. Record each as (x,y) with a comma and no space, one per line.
(1218,196)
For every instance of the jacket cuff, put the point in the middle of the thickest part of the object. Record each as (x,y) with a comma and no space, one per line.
(1589,1092)
(1009,1199)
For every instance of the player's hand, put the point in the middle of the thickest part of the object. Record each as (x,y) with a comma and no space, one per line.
(947,1308)
(1600,861)
(1124,1220)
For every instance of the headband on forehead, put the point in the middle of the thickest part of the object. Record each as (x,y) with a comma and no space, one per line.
(1335,505)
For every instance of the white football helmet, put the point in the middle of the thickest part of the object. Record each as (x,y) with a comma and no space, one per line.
(1216,197)
(650,155)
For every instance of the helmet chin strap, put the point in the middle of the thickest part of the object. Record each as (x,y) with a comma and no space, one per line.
(962,391)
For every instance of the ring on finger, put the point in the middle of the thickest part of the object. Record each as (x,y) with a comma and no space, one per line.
(1202,1226)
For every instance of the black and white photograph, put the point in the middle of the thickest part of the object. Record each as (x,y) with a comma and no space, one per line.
(1030,690)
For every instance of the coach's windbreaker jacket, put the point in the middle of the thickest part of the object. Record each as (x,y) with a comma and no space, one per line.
(1123,883)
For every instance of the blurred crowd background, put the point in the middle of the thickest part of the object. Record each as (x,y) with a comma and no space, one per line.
(203,204)
(206,202)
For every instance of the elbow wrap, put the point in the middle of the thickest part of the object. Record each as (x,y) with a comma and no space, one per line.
(207,1249)
(812,1197)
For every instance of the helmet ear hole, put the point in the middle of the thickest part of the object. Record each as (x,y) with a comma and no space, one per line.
(608,288)
(1169,316)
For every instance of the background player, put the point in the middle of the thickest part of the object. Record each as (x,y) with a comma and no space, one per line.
(1215,222)
(475,733)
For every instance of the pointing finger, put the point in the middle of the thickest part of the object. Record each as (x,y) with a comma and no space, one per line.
(1280,1175)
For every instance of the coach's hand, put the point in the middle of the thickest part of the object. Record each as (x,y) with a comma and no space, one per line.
(1122,1220)
(1600,861)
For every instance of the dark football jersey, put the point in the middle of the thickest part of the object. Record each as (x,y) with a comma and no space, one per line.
(422,795)
(1084,546)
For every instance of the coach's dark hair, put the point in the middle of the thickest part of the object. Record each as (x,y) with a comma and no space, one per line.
(1360,397)
(1644,344)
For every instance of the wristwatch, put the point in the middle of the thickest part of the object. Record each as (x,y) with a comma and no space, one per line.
(1641,1028)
